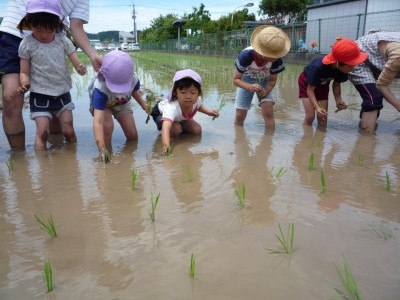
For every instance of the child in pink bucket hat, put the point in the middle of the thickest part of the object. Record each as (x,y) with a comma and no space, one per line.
(44,70)
(175,114)
(110,95)
(315,79)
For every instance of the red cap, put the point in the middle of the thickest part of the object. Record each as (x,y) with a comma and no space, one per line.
(345,51)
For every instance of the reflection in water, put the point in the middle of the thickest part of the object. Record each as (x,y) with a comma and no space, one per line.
(107,248)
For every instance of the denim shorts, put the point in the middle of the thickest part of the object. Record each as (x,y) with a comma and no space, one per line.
(45,106)
(245,97)
(9,59)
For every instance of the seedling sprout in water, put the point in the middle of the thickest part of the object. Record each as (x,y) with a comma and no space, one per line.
(388,182)
(168,150)
(286,241)
(152,210)
(192,268)
(278,174)
(323,182)
(311,162)
(188,174)
(360,160)
(134,178)
(48,225)
(48,276)
(240,192)
(10,164)
(350,290)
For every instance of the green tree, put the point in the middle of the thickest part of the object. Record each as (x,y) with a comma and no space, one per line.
(197,20)
(294,10)
(161,29)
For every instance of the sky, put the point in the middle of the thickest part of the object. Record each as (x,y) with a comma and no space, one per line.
(117,14)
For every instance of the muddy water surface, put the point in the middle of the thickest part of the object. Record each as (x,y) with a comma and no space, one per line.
(108,248)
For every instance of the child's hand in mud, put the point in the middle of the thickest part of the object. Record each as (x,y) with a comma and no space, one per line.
(24,88)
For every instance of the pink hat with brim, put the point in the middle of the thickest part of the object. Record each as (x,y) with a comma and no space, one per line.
(345,51)
(117,69)
(187,73)
(44,6)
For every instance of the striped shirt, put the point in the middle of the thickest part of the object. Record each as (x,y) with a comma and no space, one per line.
(16,10)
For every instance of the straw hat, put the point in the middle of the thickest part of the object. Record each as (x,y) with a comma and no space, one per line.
(270,41)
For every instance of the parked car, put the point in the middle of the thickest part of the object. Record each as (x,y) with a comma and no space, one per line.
(134,47)
(111,47)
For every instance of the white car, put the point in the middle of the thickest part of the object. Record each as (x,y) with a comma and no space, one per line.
(134,47)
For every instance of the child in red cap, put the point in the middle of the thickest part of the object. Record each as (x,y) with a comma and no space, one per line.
(315,79)
(175,114)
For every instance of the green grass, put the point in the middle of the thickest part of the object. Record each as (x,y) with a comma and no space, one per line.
(188,174)
(240,192)
(381,229)
(134,178)
(350,289)
(277,176)
(47,225)
(388,182)
(192,267)
(10,164)
(48,276)
(286,241)
(323,182)
(311,162)
(152,210)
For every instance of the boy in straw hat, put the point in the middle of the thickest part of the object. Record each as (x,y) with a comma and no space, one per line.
(257,69)
(315,79)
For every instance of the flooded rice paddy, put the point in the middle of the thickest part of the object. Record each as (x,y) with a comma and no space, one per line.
(108,248)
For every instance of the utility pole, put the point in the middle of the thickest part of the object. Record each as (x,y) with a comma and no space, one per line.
(134,22)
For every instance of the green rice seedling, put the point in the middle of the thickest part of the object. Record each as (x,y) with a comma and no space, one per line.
(360,160)
(323,182)
(278,174)
(152,210)
(134,178)
(311,162)
(10,164)
(150,99)
(382,229)
(388,182)
(192,267)
(188,174)
(350,290)
(222,104)
(48,225)
(168,151)
(286,241)
(240,192)
(48,276)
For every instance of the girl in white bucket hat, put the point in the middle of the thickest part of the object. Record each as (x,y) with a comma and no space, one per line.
(257,69)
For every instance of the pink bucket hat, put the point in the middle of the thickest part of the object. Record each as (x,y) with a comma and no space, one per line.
(187,73)
(44,6)
(117,69)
